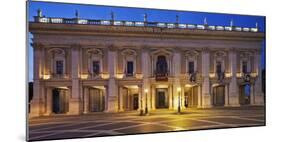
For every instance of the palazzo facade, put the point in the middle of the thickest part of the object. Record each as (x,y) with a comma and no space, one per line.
(85,66)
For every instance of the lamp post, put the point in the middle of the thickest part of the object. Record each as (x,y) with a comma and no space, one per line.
(141,110)
(146,110)
(179,97)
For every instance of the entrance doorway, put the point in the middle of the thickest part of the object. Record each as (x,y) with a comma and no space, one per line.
(60,101)
(96,100)
(191,97)
(218,96)
(244,94)
(135,101)
(161,98)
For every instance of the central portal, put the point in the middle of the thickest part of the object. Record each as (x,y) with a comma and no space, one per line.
(161,98)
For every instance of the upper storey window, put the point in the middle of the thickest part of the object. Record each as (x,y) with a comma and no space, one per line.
(130,68)
(245,62)
(219,67)
(244,67)
(96,67)
(94,61)
(59,67)
(191,67)
(57,57)
(191,60)
(129,62)
(161,65)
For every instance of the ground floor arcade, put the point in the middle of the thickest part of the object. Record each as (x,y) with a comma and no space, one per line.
(136,96)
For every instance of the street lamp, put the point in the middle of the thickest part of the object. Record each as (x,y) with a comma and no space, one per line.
(141,110)
(179,97)
(146,110)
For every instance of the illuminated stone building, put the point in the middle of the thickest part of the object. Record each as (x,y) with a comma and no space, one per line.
(85,66)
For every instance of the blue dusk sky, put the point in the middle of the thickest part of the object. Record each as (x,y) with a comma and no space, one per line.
(65,10)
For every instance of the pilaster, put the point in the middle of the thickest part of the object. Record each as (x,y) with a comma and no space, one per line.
(233,87)
(74,104)
(206,96)
(112,100)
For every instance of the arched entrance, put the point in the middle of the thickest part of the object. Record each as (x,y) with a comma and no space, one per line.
(218,95)
(60,101)
(244,94)
(97,100)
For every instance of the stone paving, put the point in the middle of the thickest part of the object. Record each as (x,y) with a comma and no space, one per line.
(109,124)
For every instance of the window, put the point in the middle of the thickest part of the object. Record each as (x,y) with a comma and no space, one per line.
(59,67)
(190,67)
(218,67)
(244,67)
(96,67)
(130,68)
(161,65)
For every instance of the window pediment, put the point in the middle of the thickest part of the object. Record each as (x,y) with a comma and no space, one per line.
(94,51)
(220,54)
(129,52)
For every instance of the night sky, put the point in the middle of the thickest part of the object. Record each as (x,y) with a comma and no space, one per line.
(136,14)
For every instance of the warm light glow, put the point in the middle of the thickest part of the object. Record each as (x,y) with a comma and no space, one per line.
(254,74)
(139,76)
(178,89)
(46,76)
(84,76)
(239,74)
(188,85)
(119,75)
(212,75)
(145,90)
(105,76)
(227,74)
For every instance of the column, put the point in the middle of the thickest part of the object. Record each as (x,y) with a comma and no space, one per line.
(176,71)
(153,97)
(259,95)
(49,101)
(105,97)
(86,100)
(199,97)
(146,68)
(182,97)
(206,96)
(74,105)
(252,95)
(121,98)
(112,88)
(141,98)
(226,95)
(233,87)
(35,105)
(170,97)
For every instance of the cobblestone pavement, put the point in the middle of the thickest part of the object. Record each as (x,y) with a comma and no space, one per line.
(108,124)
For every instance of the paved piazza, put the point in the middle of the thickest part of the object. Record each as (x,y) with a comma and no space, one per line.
(104,124)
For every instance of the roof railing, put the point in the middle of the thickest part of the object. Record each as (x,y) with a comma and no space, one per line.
(77,20)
